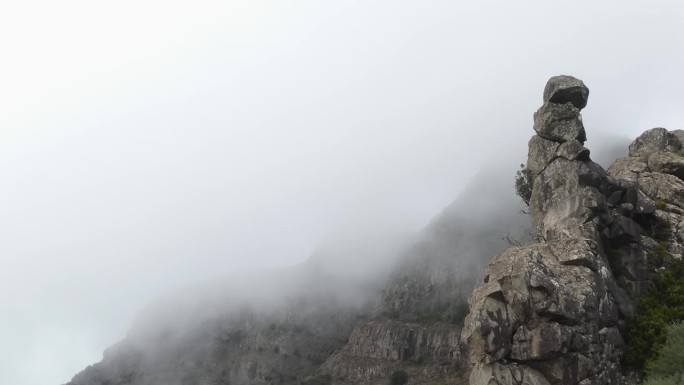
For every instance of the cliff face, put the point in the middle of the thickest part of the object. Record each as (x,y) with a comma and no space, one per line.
(417,323)
(656,166)
(554,312)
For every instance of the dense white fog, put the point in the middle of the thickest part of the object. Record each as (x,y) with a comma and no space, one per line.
(151,145)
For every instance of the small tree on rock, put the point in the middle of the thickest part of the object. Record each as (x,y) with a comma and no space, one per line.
(523,184)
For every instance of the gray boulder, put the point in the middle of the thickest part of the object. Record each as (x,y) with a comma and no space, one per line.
(559,123)
(566,89)
(654,140)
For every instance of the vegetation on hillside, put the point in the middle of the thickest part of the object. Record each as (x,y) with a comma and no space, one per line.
(659,308)
(523,184)
(399,377)
(666,367)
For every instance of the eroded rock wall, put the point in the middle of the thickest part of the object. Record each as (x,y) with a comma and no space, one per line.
(553,312)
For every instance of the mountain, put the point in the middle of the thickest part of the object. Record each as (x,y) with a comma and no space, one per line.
(355,311)
(485,294)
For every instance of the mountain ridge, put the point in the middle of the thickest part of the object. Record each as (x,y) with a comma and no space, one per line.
(409,315)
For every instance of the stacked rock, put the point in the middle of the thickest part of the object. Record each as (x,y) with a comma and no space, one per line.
(552,312)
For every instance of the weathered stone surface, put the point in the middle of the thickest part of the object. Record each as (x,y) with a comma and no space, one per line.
(653,140)
(548,313)
(628,168)
(566,189)
(494,373)
(624,231)
(541,151)
(497,374)
(402,341)
(667,163)
(376,348)
(663,187)
(546,340)
(569,251)
(645,205)
(679,134)
(656,167)
(630,261)
(566,89)
(559,123)
(573,150)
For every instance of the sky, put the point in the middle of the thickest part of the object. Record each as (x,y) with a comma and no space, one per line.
(148,144)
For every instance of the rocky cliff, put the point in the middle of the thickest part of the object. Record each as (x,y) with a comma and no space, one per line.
(554,312)
(417,323)
(550,312)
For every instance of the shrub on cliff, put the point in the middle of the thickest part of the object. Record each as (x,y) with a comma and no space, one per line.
(523,185)
(667,366)
(662,306)
(669,380)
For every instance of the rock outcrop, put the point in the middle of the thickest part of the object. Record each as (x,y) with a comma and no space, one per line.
(552,312)
(656,165)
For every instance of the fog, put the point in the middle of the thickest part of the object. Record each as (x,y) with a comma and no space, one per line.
(147,146)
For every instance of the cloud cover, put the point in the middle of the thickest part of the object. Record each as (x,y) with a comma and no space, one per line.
(147,144)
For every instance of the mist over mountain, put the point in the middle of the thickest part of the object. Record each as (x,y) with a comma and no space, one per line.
(311,321)
(166,162)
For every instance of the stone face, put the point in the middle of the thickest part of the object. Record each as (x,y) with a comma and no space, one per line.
(566,89)
(656,139)
(559,123)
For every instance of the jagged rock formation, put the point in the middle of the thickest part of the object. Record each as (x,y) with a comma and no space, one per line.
(418,322)
(552,312)
(656,165)
(409,320)
(548,313)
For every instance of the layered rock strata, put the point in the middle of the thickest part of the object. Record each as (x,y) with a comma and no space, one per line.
(377,348)
(552,312)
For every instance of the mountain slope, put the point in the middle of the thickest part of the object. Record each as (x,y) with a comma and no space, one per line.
(359,311)
(285,333)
